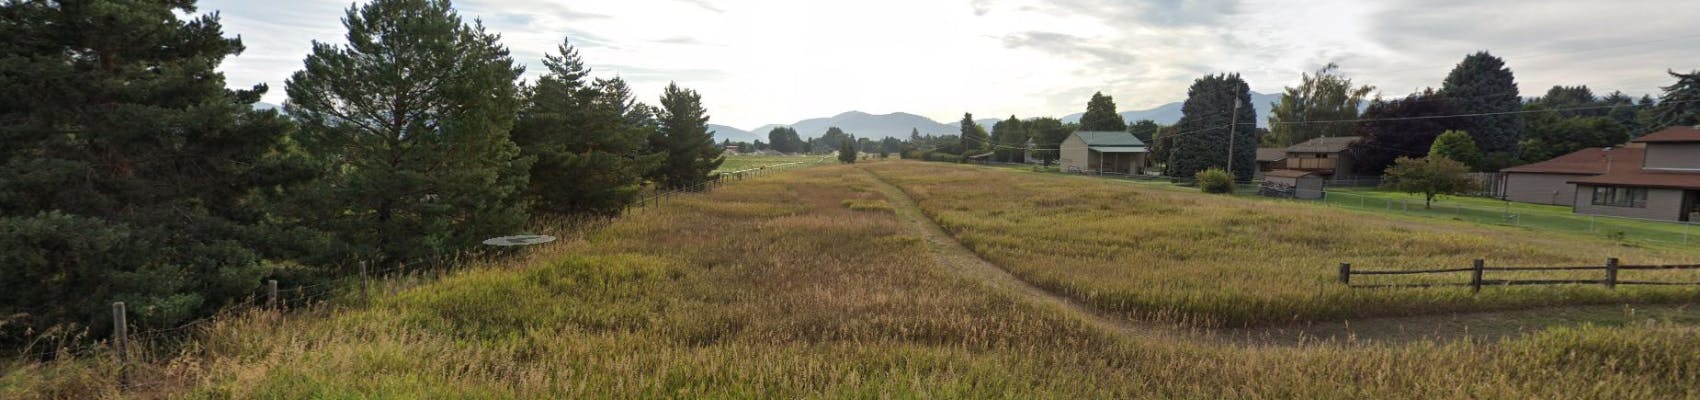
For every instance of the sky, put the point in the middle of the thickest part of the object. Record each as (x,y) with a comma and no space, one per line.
(758,62)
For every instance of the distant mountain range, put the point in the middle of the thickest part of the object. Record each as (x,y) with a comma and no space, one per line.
(898,125)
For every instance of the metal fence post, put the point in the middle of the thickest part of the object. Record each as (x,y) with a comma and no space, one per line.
(1611,273)
(120,332)
(1476,275)
(1346,274)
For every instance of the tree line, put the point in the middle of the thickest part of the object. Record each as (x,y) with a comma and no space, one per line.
(1478,101)
(128,172)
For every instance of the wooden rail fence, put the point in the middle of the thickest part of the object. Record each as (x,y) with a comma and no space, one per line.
(1479,269)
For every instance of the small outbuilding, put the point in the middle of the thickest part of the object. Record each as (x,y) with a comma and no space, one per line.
(1292,184)
(1105,152)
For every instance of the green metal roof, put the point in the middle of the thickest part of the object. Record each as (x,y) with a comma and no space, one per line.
(1109,139)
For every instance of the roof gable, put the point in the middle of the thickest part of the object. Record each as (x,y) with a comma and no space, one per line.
(1675,134)
(1590,161)
(1108,138)
(1325,145)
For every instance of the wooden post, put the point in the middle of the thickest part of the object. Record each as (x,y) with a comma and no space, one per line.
(271,293)
(1346,274)
(1476,275)
(120,332)
(364,282)
(1611,273)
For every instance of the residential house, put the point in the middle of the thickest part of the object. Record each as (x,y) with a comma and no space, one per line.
(1326,156)
(1103,152)
(1548,182)
(1270,159)
(1664,185)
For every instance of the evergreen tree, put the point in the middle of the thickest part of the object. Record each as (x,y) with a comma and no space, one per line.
(1563,99)
(587,155)
(829,141)
(127,171)
(1457,146)
(974,138)
(1101,115)
(1482,84)
(1144,130)
(1326,96)
(785,140)
(691,156)
(847,151)
(410,121)
(1680,104)
(1205,125)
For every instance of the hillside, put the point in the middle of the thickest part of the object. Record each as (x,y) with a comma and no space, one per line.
(1169,114)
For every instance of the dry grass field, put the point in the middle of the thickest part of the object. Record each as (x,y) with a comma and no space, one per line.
(807,285)
(1218,261)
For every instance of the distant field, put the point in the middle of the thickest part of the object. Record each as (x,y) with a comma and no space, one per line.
(1183,256)
(743,162)
(805,285)
(1533,217)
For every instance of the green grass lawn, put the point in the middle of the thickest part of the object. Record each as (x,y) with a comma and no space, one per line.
(1536,217)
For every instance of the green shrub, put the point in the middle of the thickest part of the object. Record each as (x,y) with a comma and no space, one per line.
(1215,180)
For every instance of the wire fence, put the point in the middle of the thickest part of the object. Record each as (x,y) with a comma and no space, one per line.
(130,342)
(1535,217)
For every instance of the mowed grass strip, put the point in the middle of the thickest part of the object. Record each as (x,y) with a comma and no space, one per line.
(773,288)
(1219,261)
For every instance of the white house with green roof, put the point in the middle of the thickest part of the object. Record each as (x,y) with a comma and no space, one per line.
(1103,153)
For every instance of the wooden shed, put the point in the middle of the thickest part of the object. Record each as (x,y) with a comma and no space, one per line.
(1295,184)
(1118,153)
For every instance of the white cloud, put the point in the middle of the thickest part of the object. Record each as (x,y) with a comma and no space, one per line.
(777,61)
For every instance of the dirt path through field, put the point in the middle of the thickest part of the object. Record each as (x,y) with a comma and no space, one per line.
(1481,326)
(953,256)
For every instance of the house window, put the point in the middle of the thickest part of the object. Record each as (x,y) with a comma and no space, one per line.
(1620,197)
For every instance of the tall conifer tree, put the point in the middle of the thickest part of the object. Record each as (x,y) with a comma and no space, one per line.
(691,155)
(410,120)
(1208,118)
(1482,84)
(127,171)
(587,155)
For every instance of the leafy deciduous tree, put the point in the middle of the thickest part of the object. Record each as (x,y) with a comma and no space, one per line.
(1101,115)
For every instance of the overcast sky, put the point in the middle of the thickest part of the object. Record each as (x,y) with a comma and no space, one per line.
(778,61)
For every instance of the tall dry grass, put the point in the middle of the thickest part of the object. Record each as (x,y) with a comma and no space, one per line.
(1228,262)
(777,288)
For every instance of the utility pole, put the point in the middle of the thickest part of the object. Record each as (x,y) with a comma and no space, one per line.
(1232,120)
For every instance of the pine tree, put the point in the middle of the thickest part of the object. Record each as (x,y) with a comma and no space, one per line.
(127,171)
(691,156)
(1680,104)
(1101,115)
(587,156)
(1482,84)
(847,151)
(410,121)
(1205,128)
(974,138)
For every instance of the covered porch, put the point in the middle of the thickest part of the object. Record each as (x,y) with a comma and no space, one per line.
(1118,160)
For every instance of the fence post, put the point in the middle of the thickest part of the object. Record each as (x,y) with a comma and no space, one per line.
(271,293)
(1611,273)
(363,279)
(120,332)
(1346,274)
(1476,275)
